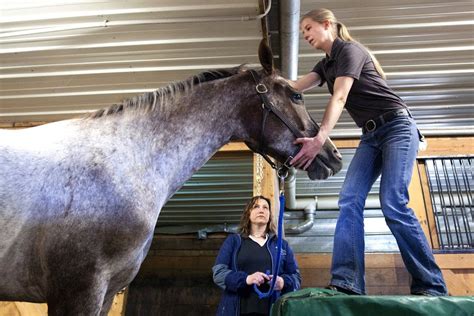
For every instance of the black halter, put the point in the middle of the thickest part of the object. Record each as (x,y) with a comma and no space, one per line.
(268,107)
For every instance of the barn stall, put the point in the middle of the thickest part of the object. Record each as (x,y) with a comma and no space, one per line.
(65,59)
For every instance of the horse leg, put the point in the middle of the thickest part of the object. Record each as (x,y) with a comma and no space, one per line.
(115,287)
(70,299)
(109,299)
(87,304)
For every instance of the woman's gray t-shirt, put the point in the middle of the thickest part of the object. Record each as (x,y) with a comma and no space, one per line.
(370,96)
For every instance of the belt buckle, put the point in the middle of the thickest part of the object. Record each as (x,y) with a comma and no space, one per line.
(370,125)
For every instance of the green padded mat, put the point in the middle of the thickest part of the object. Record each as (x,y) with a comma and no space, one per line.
(315,301)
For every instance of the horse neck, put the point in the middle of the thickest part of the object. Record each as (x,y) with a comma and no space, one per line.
(205,126)
(180,141)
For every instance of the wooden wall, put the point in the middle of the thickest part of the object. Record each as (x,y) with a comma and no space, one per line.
(31,309)
(176,277)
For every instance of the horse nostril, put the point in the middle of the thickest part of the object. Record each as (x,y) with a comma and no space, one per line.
(337,154)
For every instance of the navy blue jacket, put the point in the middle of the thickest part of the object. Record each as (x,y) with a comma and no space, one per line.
(227,275)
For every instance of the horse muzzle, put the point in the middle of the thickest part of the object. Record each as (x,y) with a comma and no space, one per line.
(321,168)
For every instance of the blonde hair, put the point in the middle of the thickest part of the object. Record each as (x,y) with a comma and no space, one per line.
(339,30)
(245,225)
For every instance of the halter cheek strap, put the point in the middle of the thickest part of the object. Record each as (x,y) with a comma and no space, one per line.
(266,104)
(267,108)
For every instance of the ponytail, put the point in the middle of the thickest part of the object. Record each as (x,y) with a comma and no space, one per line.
(343,32)
(377,65)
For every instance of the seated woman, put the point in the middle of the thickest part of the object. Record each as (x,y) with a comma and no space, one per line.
(246,259)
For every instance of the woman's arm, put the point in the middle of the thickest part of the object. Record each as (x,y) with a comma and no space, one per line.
(306,82)
(222,274)
(312,145)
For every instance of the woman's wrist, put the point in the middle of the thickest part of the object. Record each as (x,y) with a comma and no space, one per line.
(247,280)
(322,134)
(319,139)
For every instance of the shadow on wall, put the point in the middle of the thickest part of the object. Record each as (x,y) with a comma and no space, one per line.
(181,294)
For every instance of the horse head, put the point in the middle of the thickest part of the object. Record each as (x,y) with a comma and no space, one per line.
(281,118)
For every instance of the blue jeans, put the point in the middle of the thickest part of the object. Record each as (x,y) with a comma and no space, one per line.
(391,151)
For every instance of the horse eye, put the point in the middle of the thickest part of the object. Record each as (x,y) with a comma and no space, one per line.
(297,97)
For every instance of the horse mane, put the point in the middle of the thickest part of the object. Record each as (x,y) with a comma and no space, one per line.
(150,100)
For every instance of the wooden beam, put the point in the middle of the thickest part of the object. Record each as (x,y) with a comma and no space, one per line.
(323,260)
(386,260)
(340,143)
(455,261)
(459,284)
(234,146)
(23,308)
(437,146)
(265,182)
(119,304)
(430,218)
(417,203)
(21,124)
(6,125)
(36,309)
(264,21)
(346,143)
(448,146)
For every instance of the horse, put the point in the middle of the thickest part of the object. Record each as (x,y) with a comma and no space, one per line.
(80,198)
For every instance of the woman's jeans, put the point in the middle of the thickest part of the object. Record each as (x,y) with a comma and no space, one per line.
(390,150)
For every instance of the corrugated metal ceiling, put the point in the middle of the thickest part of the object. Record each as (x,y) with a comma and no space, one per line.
(63,58)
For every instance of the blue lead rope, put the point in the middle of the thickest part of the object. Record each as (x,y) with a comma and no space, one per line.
(279,245)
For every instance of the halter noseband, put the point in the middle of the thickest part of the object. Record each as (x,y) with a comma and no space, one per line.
(268,107)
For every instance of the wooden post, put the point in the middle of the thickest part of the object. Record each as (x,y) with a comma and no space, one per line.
(417,203)
(35,309)
(428,205)
(265,182)
(119,303)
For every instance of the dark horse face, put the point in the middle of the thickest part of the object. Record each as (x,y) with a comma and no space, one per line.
(275,134)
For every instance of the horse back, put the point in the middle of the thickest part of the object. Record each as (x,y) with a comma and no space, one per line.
(61,209)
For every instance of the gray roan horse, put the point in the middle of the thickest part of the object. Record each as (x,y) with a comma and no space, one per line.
(80,198)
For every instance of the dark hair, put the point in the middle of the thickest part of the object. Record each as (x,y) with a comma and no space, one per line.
(245,225)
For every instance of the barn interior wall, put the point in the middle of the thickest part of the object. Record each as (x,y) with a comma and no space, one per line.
(176,276)
(178,268)
(176,279)
(61,72)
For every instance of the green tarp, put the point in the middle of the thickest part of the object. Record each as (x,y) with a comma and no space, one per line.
(315,301)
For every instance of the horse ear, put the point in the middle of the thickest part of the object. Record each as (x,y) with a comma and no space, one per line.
(266,57)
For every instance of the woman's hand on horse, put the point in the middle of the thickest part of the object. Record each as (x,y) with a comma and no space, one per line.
(257,278)
(311,147)
(279,283)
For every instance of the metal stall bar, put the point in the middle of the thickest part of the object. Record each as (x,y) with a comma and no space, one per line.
(450,182)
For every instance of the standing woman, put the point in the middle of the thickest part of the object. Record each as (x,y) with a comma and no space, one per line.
(247,258)
(388,146)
